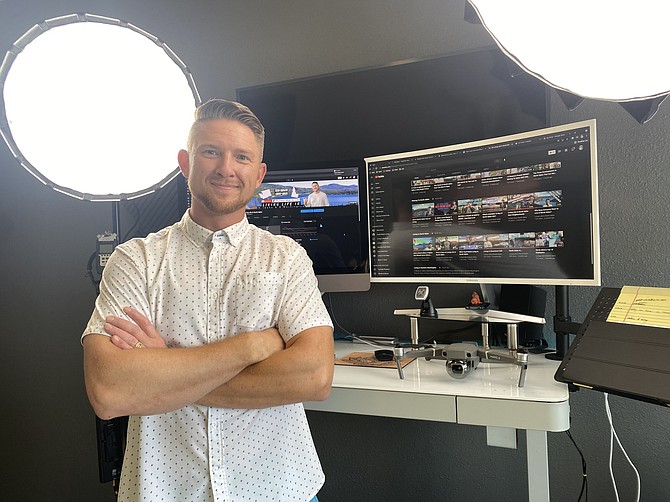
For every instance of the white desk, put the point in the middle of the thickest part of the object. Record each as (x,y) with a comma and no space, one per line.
(489,396)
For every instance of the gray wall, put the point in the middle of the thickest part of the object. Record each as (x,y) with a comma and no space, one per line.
(46,426)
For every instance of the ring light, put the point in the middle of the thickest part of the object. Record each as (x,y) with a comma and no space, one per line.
(95,107)
(594,49)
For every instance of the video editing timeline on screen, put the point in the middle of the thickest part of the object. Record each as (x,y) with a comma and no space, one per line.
(326,224)
(501,209)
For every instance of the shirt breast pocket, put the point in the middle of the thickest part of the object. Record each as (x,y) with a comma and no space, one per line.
(257,300)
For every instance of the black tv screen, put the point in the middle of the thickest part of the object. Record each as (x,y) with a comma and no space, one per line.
(396,108)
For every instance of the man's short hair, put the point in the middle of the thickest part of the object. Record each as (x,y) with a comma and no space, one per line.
(222,109)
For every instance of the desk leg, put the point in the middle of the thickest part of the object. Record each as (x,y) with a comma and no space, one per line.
(538,466)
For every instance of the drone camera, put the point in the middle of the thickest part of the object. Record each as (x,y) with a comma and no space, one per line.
(461,359)
(458,368)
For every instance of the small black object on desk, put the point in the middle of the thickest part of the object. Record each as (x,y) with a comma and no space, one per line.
(428,309)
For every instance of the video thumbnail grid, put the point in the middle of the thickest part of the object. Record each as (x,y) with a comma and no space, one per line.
(516,240)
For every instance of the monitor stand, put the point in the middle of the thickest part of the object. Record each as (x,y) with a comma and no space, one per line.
(563,325)
(483,316)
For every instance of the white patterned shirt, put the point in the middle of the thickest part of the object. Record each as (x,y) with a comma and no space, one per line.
(198,287)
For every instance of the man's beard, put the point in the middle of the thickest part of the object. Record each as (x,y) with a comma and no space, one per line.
(215,205)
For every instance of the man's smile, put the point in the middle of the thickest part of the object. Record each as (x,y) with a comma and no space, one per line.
(226,186)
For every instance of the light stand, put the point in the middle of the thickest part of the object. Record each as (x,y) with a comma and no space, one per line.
(111,434)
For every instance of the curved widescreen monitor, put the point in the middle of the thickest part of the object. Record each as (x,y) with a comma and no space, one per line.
(518,209)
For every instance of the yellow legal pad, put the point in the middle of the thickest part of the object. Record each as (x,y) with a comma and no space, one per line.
(644,306)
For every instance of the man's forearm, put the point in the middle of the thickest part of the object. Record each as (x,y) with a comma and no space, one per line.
(301,372)
(150,381)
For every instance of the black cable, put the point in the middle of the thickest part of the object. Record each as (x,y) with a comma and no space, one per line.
(89,272)
(335,322)
(131,206)
(584,491)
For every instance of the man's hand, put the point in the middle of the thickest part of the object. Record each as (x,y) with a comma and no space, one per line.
(128,335)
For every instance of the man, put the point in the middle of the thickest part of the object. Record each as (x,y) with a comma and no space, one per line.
(469,208)
(317,198)
(209,334)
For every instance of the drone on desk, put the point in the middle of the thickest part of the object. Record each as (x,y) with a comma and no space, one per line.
(464,357)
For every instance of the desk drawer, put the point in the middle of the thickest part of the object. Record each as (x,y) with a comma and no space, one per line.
(416,406)
(543,416)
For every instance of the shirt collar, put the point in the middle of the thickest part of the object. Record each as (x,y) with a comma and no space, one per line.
(234,233)
(201,235)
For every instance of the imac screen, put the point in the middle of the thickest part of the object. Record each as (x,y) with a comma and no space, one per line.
(319,207)
(515,209)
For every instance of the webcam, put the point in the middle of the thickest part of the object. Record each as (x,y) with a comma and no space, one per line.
(423,295)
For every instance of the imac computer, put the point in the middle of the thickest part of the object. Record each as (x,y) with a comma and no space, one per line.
(517,209)
(319,206)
